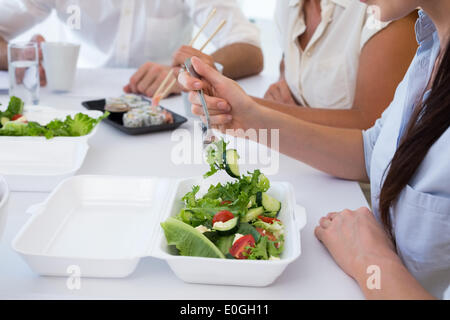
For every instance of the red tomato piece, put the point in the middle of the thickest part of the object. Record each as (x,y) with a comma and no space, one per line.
(15,117)
(268,219)
(222,216)
(240,246)
(225,202)
(265,233)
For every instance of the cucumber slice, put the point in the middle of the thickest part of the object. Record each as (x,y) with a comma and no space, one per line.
(189,241)
(227,227)
(4,120)
(272,214)
(270,203)
(230,159)
(252,214)
(259,198)
(211,235)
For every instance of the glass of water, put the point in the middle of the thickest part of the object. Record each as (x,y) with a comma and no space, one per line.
(23,69)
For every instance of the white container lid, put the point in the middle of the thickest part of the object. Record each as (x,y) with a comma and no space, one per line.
(104,225)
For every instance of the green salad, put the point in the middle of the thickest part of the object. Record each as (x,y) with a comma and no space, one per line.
(14,123)
(236,220)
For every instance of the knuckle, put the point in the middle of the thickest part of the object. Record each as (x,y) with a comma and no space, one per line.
(364,210)
(346,212)
(157,69)
(141,87)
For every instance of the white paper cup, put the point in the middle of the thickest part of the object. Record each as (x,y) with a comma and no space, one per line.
(4,195)
(60,64)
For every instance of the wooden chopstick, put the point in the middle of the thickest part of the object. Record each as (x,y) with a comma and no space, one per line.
(214,34)
(211,15)
(161,86)
(169,87)
(158,95)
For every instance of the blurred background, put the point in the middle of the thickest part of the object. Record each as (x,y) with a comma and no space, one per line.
(259,12)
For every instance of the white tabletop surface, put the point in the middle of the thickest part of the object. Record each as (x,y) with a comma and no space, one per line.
(314,275)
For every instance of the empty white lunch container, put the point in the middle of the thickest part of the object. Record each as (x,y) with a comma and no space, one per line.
(4,196)
(104,225)
(37,163)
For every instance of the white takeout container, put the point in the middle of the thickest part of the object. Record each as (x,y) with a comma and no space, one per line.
(104,225)
(4,196)
(37,163)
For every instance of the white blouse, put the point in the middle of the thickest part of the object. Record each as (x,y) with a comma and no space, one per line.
(324,75)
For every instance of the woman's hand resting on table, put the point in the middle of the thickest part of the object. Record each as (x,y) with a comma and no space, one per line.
(228,105)
(355,240)
(280,92)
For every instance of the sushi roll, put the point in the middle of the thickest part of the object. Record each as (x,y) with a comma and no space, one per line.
(153,119)
(139,104)
(116,105)
(133,119)
(131,98)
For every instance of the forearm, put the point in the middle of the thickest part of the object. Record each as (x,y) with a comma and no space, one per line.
(3,54)
(337,151)
(395,281)
(240,60)
(348,118)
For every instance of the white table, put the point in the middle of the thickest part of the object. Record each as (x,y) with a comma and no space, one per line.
(313,276)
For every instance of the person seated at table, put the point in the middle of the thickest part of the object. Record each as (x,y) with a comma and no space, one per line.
(340,64)
(140,33)
(405,155)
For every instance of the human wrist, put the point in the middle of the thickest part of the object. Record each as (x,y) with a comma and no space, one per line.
(252,113)
(365,264)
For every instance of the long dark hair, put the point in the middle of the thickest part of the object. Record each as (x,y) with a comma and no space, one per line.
(429,121)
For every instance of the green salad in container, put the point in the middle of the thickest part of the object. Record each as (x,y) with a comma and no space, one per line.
(14,123)
(235,220)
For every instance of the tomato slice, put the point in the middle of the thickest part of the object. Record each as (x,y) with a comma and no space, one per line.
(15,117)
(225,202)
(268,219)
(222,216)
(265,233)
(239,247)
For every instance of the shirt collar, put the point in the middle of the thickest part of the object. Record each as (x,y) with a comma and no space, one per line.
(343,3)
(424,27)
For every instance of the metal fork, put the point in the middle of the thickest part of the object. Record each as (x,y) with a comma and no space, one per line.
(207,133)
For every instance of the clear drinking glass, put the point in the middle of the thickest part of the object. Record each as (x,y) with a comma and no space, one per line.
(23,69)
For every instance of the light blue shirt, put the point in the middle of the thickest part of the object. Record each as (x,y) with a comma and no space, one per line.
(421,215)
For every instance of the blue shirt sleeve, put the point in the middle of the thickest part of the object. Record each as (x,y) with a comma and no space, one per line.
(370,137)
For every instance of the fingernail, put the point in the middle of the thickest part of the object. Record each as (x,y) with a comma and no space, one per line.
(197,85)
(222,105)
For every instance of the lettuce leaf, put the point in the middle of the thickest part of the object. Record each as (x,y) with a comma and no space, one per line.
(215,157)
(15,107)
(80,125)
(259,252)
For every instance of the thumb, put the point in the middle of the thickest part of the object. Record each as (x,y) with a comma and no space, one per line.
(210,74)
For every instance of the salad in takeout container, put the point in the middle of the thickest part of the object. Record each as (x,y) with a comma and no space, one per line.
(44,145)
(243,232)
